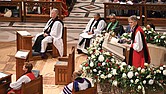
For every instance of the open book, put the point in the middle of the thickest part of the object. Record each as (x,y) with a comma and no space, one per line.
(22,54)
(24,33)
(3,75)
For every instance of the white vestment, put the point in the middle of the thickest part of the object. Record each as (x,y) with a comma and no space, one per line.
(89,27)
(17,85)
(55,37)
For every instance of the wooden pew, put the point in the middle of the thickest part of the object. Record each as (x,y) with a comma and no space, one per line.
(44,6)
(116,6)
(4,84)
(64,68)
(155,7)
(55,52)
(13,4)
(33,87)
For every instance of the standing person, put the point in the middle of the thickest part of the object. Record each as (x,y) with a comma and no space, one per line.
(78,82)
(25,78)
(94,26)
(52,32)
(139,53)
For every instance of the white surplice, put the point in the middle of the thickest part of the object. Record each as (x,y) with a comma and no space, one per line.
(55,37)
(101,25)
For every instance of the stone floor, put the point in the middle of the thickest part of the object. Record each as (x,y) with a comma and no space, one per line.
(75,23)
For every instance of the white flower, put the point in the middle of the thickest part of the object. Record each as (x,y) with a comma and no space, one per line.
(91,64)
(162,37)
(109,75)
(108,69)
(93,56)
(123,63)
(131,81)
(112,60)
(136,81)
(164,65)
(148,76)
(115,83)
(158,71)
(142,70)
(136,74)
(149,31)
(103,63)
(81,66)
(121,68)
(94,70)
(146,64)
(139,68)
(164,72)
(107,53)
(161,68)
(144,82)
(99,71)
(155,37)
(130,74)
(91,52)
(139,87)
(114,72)
(124,75)
(102,76)
(151,82)
(101,58)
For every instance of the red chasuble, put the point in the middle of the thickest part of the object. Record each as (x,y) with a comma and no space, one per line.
(138,58)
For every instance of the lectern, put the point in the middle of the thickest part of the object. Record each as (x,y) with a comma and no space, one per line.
(21,56)
(5,81)
(24,41)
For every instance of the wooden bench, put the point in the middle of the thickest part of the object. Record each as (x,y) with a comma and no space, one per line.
(55,52)
(4,84)
(33,87)
(44,6)
(13,4)
(64,68)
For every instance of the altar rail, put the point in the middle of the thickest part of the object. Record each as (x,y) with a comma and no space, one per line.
(22,6)
(139,10)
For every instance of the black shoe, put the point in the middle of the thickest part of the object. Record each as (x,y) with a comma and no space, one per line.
(79,51)
(44,56)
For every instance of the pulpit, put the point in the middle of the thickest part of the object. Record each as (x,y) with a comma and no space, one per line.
(5,81)
(21,56)
(24,41)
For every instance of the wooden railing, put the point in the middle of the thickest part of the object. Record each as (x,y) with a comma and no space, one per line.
(44,8)
(123,7)
(140,10)
(18,17)
(160,10)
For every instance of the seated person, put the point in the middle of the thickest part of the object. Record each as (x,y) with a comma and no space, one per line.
(78,82)
(114,26)
(150,27)
(25,78)
(94,26)
(52,32)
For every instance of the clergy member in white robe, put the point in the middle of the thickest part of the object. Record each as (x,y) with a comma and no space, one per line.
(94,27)
(52,32)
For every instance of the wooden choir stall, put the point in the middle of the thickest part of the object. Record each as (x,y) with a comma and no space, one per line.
(5,81)
(24,42)
(64,68)
(21,57)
